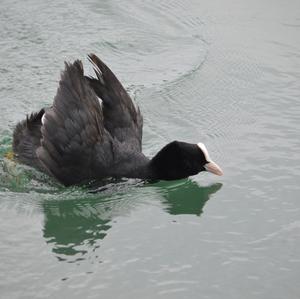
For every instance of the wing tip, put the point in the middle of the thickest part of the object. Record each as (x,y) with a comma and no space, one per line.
(97,66)
(75,67)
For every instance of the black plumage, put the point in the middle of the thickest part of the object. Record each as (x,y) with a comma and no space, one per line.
(93,131)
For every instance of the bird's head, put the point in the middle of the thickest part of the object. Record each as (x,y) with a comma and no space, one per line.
(179,160)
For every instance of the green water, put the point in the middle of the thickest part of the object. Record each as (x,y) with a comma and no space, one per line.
(224,73)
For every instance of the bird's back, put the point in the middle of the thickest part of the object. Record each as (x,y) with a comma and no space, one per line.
(79,138)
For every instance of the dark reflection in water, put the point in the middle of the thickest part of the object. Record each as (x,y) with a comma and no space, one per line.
(187,197)
(75,227)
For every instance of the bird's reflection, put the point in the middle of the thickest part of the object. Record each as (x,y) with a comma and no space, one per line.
(76,227)
(186,196)
(72,229)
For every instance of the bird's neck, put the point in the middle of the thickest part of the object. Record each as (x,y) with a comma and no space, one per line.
(132,165)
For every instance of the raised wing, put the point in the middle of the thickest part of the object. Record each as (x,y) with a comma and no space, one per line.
(121,117)
(72,129)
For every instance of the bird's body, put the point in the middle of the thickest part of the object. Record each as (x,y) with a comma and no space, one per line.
(94,131)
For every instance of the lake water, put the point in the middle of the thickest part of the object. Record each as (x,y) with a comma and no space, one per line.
(226,73)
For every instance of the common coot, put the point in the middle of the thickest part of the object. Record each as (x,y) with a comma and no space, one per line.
(94,131)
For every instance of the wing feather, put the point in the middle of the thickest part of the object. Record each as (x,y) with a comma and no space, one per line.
(72,128)
(121,117)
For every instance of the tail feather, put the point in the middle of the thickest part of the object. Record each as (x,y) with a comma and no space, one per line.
(26,138)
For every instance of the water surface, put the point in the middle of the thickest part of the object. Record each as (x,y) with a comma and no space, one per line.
(225,73)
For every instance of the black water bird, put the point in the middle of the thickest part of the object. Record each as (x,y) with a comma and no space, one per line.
(94,131)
